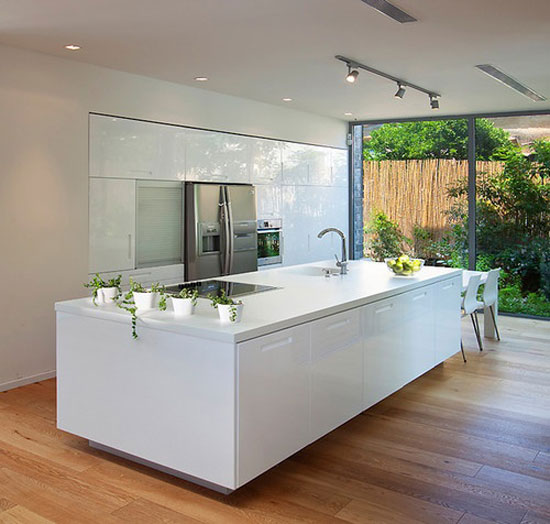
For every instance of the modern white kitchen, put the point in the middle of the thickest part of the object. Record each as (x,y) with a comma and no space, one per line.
(215,309)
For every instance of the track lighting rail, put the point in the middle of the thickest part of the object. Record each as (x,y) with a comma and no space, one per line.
(353,64)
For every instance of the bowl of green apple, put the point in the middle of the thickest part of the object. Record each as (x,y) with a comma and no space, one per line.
(404,266)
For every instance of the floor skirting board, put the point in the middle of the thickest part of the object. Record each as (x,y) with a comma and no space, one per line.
(12,384)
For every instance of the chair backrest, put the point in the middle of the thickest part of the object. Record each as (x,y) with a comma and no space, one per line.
(490,291)
(470,302)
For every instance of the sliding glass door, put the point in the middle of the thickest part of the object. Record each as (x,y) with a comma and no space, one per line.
(426,190)
(513,209)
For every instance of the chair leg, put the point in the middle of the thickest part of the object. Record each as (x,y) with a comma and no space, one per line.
(491,309)
(462,349)
(480,337)
(476,332)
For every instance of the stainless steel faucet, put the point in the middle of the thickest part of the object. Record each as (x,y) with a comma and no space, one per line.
(342,264)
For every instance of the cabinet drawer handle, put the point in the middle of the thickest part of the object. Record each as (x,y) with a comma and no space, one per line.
(383,309)
(140,274)
(146,171)
(129,246)
(278,344)
(449,286)
(342,323)
(418,297)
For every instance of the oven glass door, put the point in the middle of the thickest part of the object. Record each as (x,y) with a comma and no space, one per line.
(269,246)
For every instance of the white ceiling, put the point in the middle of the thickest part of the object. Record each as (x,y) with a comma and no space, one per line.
(270,49)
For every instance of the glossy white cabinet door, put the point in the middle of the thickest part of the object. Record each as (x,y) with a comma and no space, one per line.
(266,161)
(269,201)
(418,327)
(319,165)
(447,324)
(125,148)
(339,167)
(172,153)
(385,370)
(273,399)
(295,164)
(336,371)
(306,211)
(112,226)
(216,157)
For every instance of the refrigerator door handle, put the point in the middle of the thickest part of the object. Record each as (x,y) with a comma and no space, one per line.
(231,231)
(227,232)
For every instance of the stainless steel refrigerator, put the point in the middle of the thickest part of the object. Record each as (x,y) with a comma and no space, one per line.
(220,227)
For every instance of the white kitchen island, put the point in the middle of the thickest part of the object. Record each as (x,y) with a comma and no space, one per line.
(220,404)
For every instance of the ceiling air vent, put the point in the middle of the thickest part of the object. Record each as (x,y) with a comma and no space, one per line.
(503,78)
(390,10)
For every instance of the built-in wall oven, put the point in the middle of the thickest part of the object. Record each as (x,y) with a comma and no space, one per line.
(270,241)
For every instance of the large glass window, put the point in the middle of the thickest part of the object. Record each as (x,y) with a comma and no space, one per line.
(416,199)
(513,209)
(415,179)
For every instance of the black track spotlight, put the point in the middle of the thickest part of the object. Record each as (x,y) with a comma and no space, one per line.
(434,103)
(400,92)
(352,75)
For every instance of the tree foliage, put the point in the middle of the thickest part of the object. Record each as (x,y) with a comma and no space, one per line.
(435,139)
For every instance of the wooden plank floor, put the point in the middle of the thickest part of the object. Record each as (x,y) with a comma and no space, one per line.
(466,443)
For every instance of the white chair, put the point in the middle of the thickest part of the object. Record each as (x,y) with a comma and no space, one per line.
(470,305)
(490,295)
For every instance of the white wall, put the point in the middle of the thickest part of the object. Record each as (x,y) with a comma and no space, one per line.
(44,106)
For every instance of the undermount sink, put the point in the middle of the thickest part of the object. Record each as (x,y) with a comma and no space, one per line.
(313,271)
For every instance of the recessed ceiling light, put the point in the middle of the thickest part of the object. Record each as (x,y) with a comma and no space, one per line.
(348,114)
(287,99)
(72,47)
(510,82)
(201,78)
(384,7)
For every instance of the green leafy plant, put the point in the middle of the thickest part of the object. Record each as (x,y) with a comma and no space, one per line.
(189,293)
(224,300)
(96,283)
(128,303)
(386,239)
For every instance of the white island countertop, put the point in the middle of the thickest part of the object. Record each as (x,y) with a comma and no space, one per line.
(301,296)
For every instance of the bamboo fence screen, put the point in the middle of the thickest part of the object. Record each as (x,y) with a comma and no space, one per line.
(415,192)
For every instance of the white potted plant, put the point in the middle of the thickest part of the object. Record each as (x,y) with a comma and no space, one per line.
(184,302)
(104,292)
(139,298)
(229,310)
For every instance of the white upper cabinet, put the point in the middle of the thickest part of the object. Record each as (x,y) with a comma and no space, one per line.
(216,157)
(319,166)
(112,225)
(339,167)
(266,161)
(124,148)
(295,164)
(306,165)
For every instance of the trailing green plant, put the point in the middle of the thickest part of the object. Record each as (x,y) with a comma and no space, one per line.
(222,299)
(128,304)
(96,283)
(189,293)
(161,290)
(386,239)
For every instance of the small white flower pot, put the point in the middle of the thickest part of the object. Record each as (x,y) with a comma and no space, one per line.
(224,311)
(145,300)
(183,307)
(109,294)
(99,298)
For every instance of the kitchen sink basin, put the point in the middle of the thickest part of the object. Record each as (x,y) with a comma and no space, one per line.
(313,271)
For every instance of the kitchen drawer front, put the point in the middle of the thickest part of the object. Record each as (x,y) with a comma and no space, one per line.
(333,333)
(273,399)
